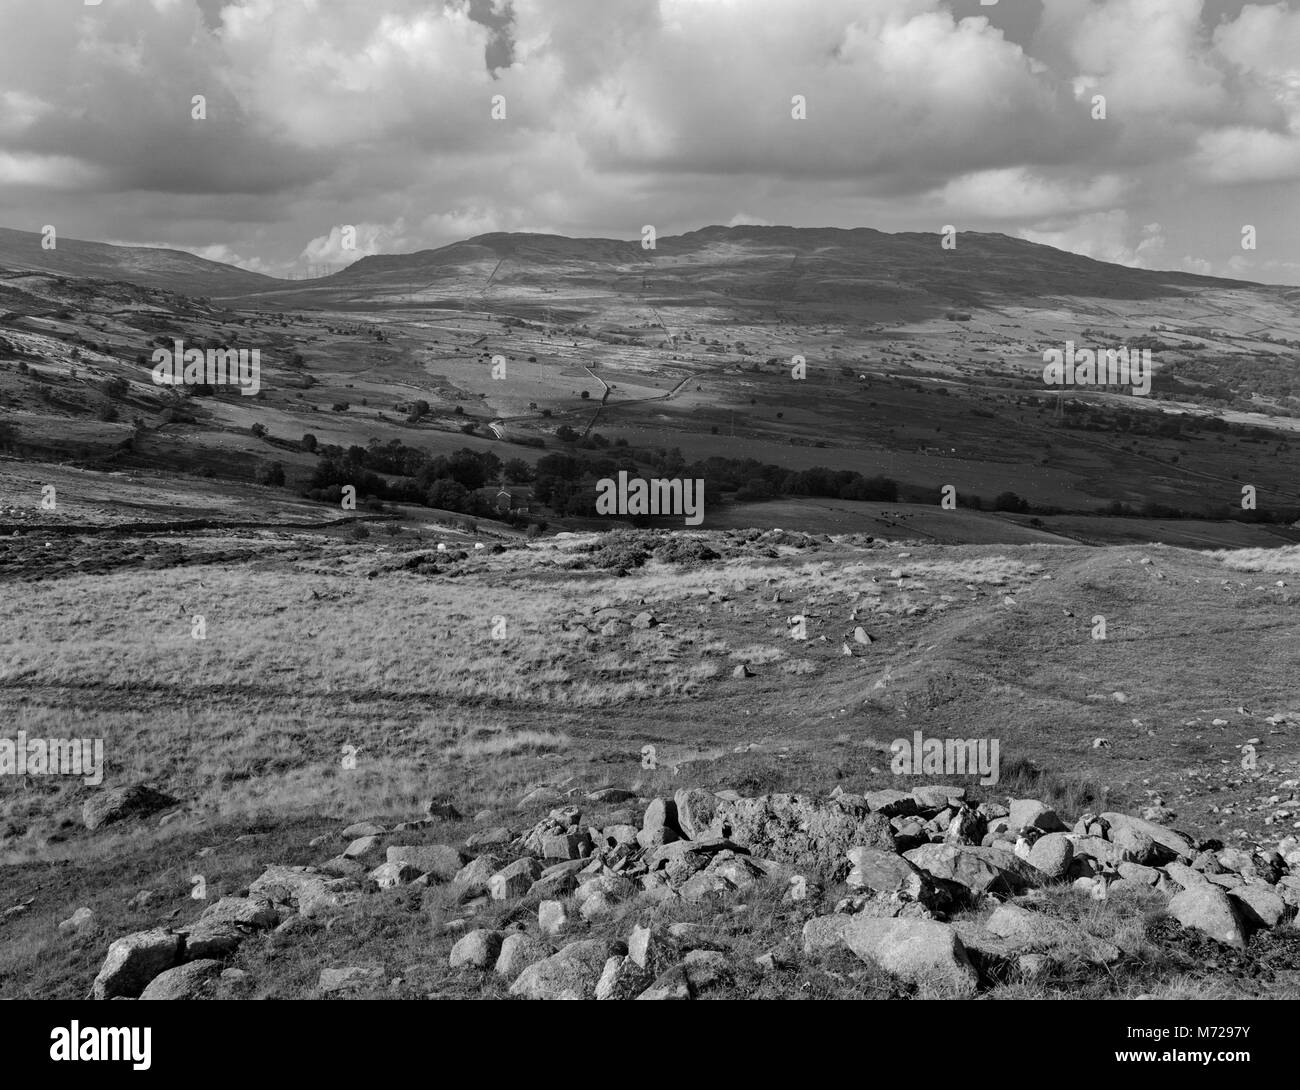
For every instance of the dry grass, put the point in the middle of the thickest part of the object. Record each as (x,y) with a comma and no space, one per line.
(1281,561)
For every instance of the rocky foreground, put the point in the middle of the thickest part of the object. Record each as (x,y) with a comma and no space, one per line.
(920,868)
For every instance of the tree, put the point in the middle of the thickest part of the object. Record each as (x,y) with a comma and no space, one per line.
(447,494)
(309,443)
(1009,501)
(565,434)
(517,471)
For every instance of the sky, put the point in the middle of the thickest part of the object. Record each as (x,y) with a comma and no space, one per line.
(378,115)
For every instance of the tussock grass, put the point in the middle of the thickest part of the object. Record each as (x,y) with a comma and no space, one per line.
(1282,561)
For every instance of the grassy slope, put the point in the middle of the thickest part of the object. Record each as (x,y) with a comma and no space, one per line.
(305,654)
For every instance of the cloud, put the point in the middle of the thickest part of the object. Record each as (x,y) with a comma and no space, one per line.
(676,112)
(1106,236)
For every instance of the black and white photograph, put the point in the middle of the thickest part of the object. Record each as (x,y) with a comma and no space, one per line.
(743,500)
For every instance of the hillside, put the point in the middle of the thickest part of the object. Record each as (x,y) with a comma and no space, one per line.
(145,266)
(480,678)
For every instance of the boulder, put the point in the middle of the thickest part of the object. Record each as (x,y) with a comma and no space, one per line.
(361,847)
(1207,909)
(440,861)
(937,796)
(799,830)
(878,871)
(304,889)
(892,803)
(478,949)
(193,980)
(1175,843)
(341,867)
(225,924)
(518,951)
(514,880)
(1132,845)
(981,870)
(363,828)
(672,983)
(706,969)
(1259,904)
(442,809)
(1095,847)
(1052,855)
(695,811)
(120,803)
(391,875)
(541,796)
(133,961)
(610,795)
(78,921)
(921,952)
(1138,874)
(823,933)
(622,978)
(566,846)
(474,875)
(1186,876)
(496,837)
(1032,814)
(572,973)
